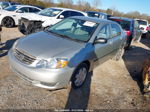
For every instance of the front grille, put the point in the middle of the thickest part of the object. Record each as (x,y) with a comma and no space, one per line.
(24,57)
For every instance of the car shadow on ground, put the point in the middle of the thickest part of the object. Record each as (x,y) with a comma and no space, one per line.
(79,98)
(4,47)
(133,60)
(146,41)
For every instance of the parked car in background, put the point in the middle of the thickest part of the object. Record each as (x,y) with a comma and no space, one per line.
(66,51)
(10,16)
(144,26)
(97,14)
(45,18)
(4,4)
(130,27)
(149,28)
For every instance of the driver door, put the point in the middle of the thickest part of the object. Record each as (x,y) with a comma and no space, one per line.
(103,50)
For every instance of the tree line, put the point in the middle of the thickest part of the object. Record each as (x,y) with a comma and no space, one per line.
(83,6)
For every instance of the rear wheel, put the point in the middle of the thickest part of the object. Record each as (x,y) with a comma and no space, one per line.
(119,54)
(8,22)
(79,76)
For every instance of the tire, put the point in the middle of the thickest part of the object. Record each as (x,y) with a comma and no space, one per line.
(8,22)
(119,54)
(79,76)
(144,35)
(22,29)
(30,29)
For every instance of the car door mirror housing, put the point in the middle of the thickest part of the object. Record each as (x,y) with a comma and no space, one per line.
(19,11)
(61,17)
(100,41)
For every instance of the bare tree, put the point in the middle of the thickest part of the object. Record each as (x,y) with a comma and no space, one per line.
(68,2)
(96,3)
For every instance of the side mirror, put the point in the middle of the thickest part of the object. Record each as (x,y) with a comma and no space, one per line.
(61,17)
(19,11)
(101,41)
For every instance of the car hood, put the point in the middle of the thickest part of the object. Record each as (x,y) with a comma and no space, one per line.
(45,45)
(36,17)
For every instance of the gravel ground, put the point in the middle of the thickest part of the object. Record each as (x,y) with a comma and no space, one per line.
(112,85)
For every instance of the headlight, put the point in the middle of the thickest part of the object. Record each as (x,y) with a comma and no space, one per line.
(53,63)
(15,45)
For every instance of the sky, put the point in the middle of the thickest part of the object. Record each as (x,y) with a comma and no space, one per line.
(142,6)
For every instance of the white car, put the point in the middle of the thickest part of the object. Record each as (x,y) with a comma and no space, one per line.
(143,25)
(10,16)
(47,17)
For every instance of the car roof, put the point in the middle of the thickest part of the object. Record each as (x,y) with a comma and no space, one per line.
(92,19)
(25,6)
(122,18)
(66,9)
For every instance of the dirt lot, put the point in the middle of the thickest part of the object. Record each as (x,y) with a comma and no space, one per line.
(112,85)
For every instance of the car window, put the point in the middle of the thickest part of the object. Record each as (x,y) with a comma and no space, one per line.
(4,4)
(73,13)
(115,30)
(124,24)
(11,8)
(24,9)
(136,24)
(97,15)
(50,12)
(104,32)
(142,22)
(65,14)
(34,10)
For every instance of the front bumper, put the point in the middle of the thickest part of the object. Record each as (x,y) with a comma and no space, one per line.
(49,79)
(27,27)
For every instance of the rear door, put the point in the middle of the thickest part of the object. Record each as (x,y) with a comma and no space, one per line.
(117,37)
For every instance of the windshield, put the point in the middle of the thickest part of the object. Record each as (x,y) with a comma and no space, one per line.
(4,4)
(97,15)
(11,8)
(124,24)
(75,29)
(49,12)
(142,22)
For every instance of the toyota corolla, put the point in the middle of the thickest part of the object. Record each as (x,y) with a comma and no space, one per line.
(66,51)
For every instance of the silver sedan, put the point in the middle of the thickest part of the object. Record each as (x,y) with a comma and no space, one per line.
(66,51)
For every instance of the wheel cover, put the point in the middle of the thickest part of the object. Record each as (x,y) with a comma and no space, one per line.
(80,77)
(8,22)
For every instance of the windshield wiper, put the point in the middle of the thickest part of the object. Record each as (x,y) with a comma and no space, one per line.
(65,36)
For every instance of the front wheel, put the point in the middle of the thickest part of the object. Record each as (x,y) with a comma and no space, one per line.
(8,22)
(79,76)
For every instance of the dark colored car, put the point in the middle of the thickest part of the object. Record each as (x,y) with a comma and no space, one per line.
(98,14)
(130,27)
